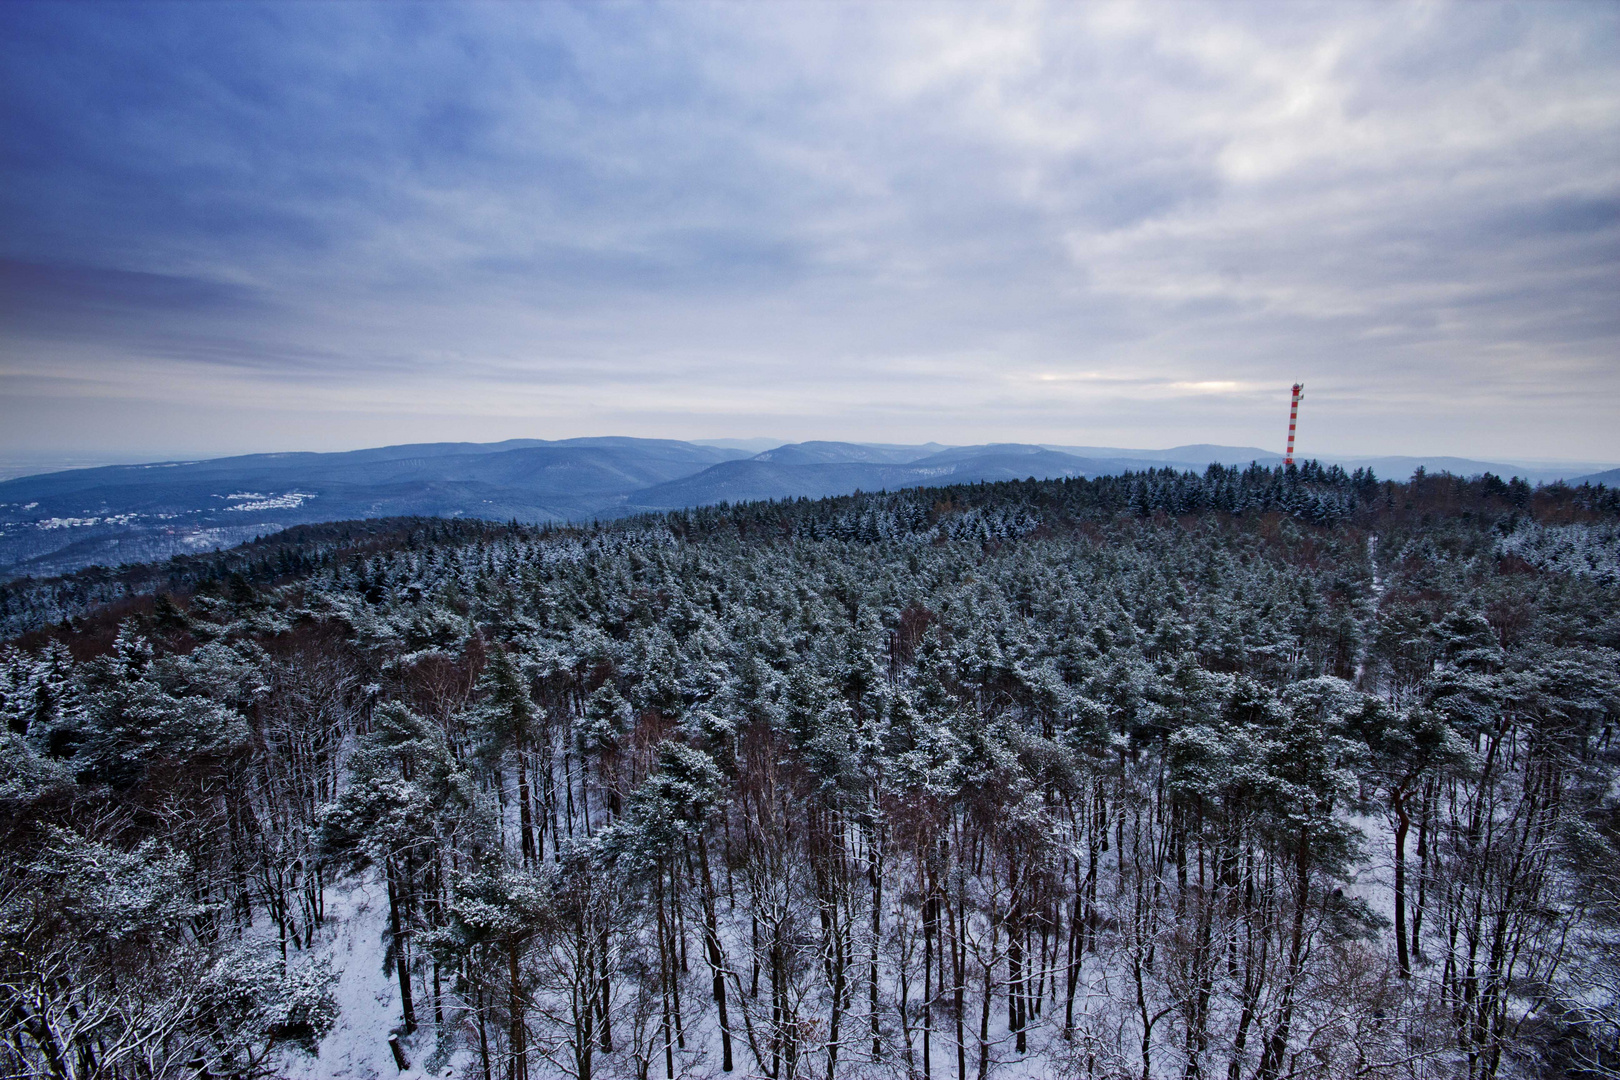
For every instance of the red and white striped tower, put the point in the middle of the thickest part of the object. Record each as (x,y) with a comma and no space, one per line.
(1293,419)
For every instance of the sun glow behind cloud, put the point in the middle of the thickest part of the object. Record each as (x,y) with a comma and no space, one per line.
(317,226)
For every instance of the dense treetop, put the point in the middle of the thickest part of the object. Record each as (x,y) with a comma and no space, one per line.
(1262,772)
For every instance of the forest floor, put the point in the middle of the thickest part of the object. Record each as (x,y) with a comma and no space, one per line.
(354,939)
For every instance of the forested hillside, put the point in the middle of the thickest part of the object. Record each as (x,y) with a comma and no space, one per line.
(1247,775)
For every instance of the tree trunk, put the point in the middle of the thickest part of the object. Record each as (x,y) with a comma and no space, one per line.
(401,958)
(1272,1060)
(1403,822)
(711,938)
(518,1039)
(875,881)
(525,808)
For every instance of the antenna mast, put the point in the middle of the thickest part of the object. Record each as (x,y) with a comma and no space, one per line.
(1293,419)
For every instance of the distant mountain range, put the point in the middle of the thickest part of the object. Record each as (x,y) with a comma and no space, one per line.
(1608,478)
(61,521)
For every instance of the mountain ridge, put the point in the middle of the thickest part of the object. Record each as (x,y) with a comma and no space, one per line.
(59,521)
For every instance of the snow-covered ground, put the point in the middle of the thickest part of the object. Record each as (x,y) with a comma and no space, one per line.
(255,500)
(357,1046)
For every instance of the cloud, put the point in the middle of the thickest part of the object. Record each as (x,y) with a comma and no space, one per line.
(1107,223)
(32,293)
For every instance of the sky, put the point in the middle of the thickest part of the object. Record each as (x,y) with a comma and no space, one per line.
(229,227)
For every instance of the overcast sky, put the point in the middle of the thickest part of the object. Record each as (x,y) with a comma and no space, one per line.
(227,228)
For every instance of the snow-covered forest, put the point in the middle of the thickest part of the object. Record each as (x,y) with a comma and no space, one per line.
(1250,775)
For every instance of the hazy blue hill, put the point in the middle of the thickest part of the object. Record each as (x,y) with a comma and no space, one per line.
(419,450)
(1611,478)
(1002,451)
(590,464)
(1206,453)
(61,521)
(826,453)
(574,469)
(1401,468)
(1100,460)
(746,481)
(1199,456)
(756,479)
(1003,461)
(1192,456)
(747,446)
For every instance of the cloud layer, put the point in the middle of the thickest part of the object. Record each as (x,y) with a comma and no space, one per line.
(226,227)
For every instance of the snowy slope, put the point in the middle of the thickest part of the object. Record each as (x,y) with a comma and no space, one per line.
(357,1046)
